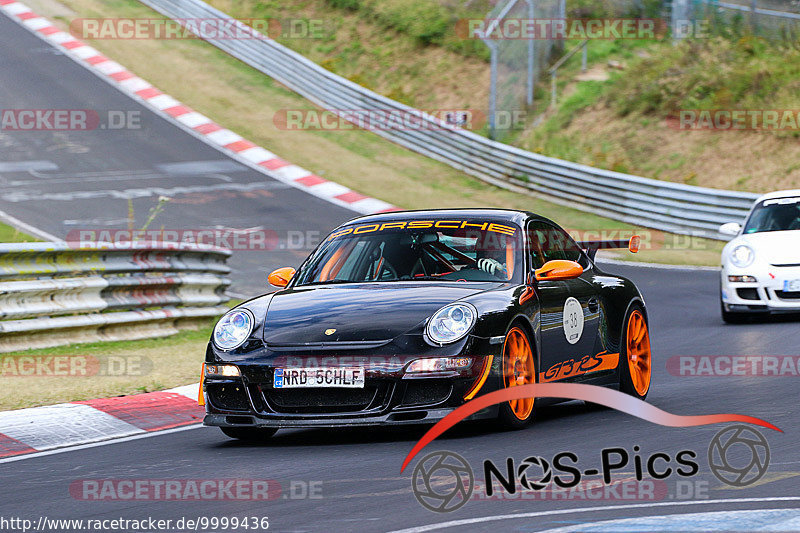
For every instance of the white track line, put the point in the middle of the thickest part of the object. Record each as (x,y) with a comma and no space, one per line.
(27,228)
(485,519)
(785,520)
(100,443)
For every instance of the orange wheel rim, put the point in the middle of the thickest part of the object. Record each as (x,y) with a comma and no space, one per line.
(518,369)
(639,361)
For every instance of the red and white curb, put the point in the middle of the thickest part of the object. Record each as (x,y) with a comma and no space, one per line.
(40,429)
(188,119)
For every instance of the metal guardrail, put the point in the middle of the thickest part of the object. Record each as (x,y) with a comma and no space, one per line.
(652,203)
(52,294)
(753,8)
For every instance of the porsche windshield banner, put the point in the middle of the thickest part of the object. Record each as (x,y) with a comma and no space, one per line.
(486,226)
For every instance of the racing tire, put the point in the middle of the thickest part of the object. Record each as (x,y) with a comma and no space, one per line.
(250,434)
(518,368)
(636,361)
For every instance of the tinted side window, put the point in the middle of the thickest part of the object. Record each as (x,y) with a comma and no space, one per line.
(548,243)
(537,236)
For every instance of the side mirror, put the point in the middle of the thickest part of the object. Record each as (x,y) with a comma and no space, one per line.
(281,277)
(731,228)
(558,269)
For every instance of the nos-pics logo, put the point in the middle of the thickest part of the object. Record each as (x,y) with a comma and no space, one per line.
(443,481)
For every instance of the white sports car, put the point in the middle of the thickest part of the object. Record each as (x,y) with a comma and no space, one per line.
(761,265)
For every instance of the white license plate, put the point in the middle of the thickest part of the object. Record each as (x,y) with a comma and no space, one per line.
(791,285)
(320,377)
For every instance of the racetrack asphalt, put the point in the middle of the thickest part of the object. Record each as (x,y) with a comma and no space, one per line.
(354,475)
(88,177)
(357,472)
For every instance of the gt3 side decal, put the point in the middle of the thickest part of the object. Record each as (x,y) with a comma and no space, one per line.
(584,365)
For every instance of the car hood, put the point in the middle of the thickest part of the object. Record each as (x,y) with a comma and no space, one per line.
(359,313)
(774,247)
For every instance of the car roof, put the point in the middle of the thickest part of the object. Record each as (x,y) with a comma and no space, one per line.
(509,215)
(779,194)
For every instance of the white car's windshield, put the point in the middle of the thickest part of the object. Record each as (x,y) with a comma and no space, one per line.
(417,250)
(778,214)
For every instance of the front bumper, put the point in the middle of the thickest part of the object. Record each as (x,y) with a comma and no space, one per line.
(765,295)
(430,416)
(388,398)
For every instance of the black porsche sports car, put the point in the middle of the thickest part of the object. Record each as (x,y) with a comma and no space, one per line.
(401,317)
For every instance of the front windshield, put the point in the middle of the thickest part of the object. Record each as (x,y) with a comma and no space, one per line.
(779,214)
(417,250)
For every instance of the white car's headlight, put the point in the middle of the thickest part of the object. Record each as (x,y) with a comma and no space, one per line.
(233,329)
(451,323)
(742,256)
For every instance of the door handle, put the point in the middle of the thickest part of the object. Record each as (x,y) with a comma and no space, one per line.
(594,305)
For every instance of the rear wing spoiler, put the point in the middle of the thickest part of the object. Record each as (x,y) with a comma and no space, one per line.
(591,247)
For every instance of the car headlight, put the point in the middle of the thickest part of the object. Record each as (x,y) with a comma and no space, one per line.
(451,323)
(222,371)
(742,279)
(742,256)
(439,364)
(233,329)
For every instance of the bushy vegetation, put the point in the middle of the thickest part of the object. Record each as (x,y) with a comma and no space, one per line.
(427,22)
(614,8)
(715,73)
(616,117)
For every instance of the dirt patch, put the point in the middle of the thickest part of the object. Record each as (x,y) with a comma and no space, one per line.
(596,73)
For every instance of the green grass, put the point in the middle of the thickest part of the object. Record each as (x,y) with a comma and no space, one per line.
(147,365)
(12,234)
(201,334)
(392,46)
(715,73)
(622,123)
(613,8)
